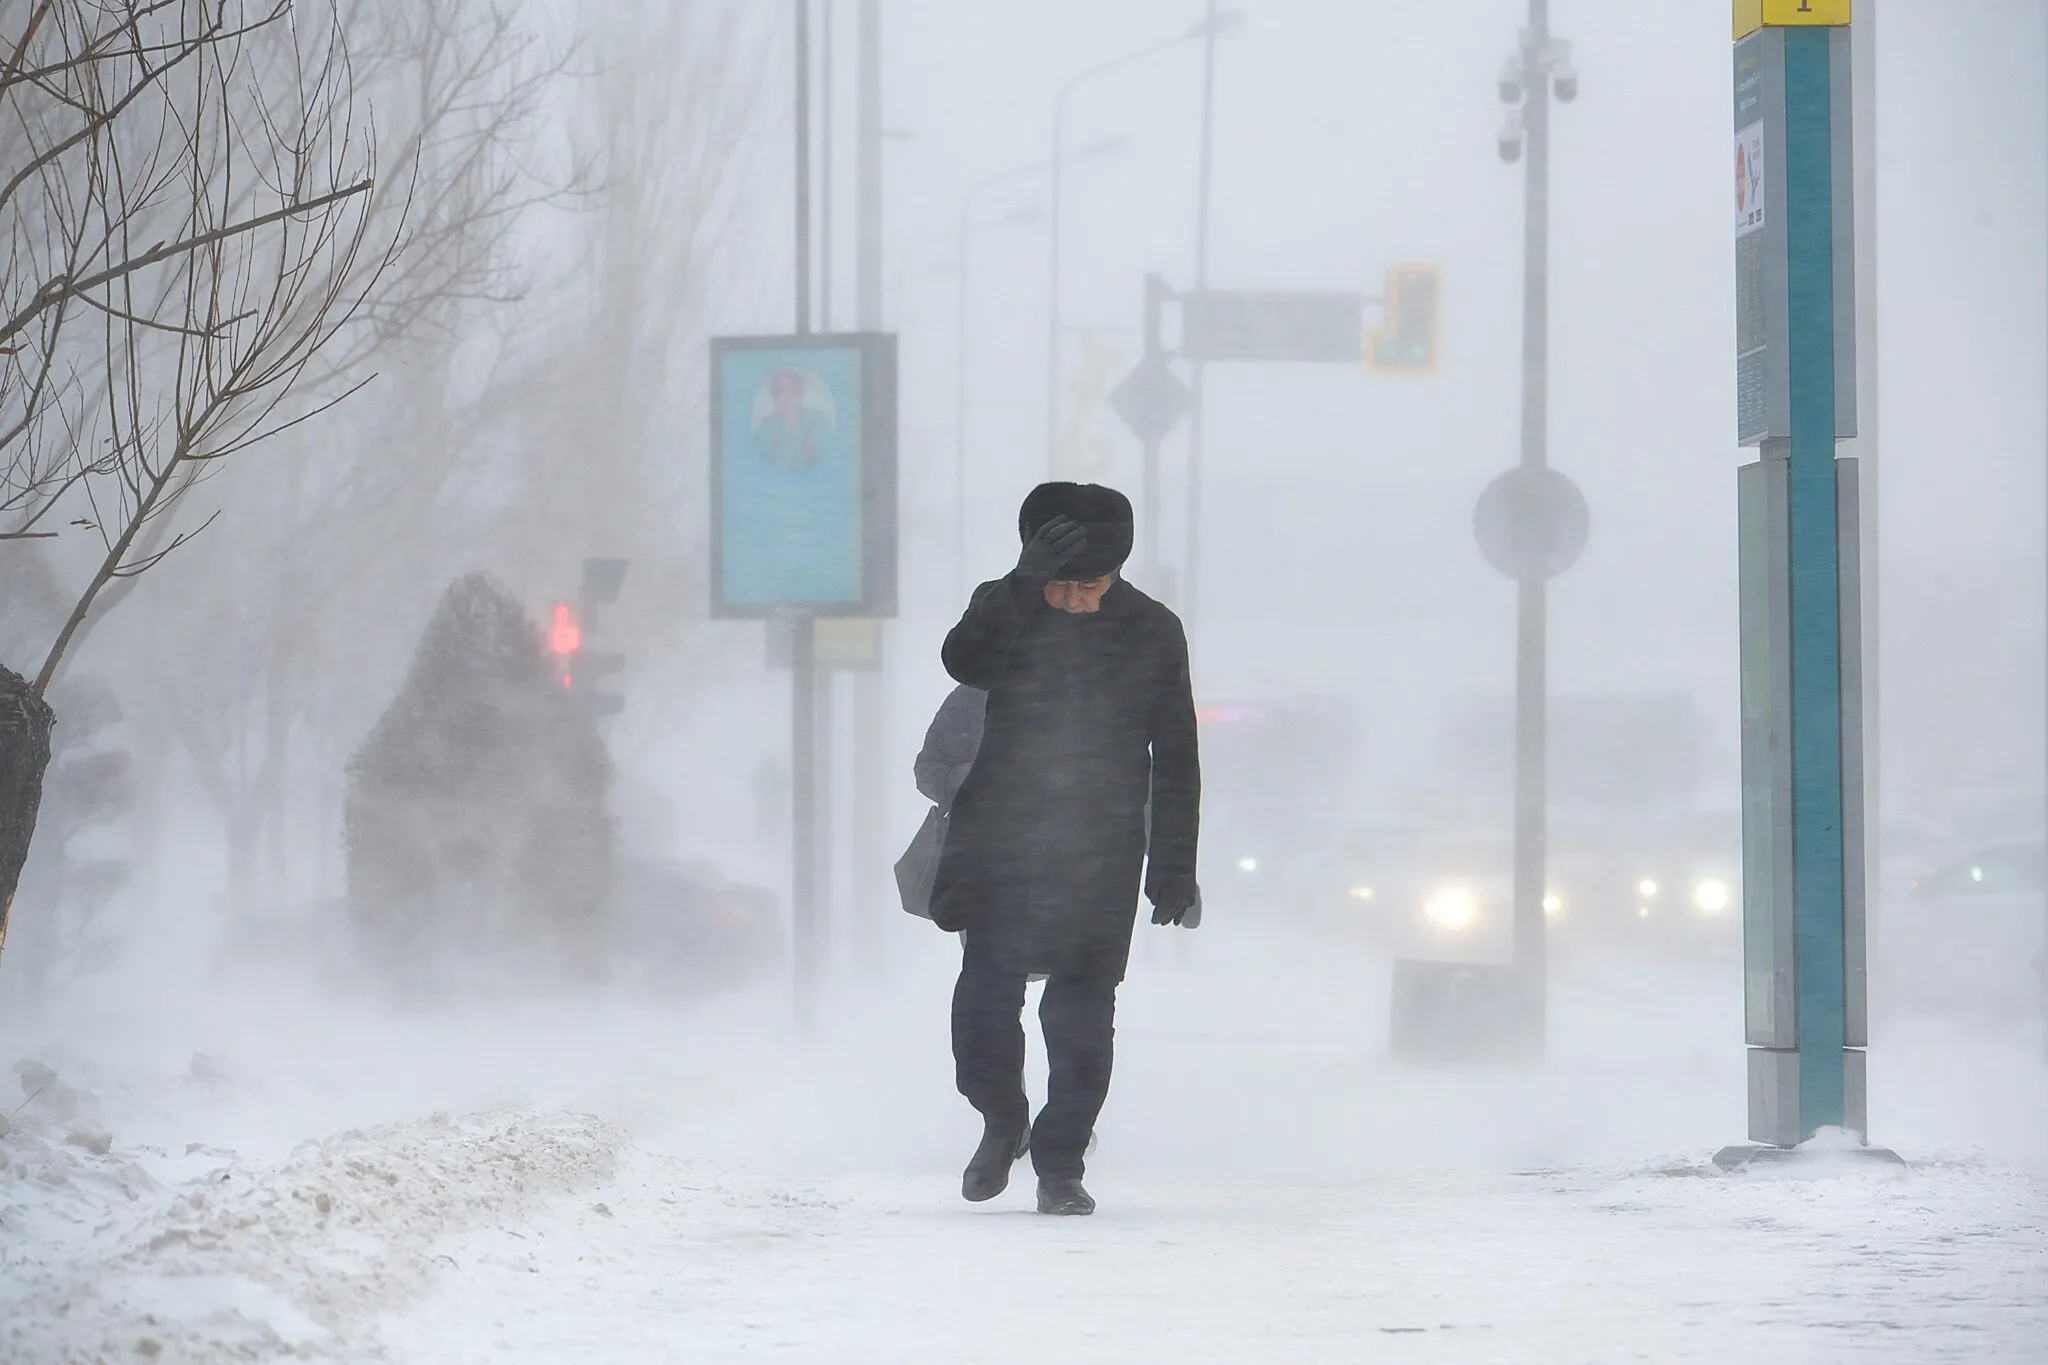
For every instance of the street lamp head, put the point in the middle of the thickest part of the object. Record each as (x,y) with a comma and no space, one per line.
(1565,80)
(1511,82)
(1226,23)
(1101,147)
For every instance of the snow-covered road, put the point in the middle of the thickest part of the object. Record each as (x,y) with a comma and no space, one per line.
(626,1182)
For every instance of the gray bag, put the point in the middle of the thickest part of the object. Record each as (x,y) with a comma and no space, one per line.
(918,869)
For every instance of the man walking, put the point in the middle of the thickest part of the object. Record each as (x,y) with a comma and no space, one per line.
(1089,730)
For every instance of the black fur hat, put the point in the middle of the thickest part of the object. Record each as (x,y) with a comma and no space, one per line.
(1104,511)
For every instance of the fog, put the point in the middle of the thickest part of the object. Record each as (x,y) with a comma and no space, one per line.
(536,391)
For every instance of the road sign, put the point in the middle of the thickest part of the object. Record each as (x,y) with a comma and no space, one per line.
(1531,521)
(1751,15)
(1407,343)
(1151,399)
(1285,326)
(602,581)
(841,644)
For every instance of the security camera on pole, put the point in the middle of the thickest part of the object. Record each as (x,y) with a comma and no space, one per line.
(1532,521)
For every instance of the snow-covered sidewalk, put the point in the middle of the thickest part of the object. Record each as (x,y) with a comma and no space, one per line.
(681,1261)
(268,1172)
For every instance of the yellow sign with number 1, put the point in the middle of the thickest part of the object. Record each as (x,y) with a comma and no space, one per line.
(1751,15)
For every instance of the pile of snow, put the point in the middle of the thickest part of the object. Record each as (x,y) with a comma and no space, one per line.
(111,1253)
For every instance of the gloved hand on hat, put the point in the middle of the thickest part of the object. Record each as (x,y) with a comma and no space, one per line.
(1049,551)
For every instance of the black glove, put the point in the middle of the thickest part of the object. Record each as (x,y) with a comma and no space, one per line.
(1046,553)
(1182,906)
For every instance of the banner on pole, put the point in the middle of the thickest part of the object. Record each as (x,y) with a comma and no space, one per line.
(803,475)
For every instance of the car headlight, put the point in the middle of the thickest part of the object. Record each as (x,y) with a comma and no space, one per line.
(1361,893)
(1452,908)
(1712,895)
(1553,904)
(1646,888)
(1247,864)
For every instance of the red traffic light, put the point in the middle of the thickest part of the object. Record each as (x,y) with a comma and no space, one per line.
(565,637)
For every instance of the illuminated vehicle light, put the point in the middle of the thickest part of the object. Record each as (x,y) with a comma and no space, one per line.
(1247,864)
(1553,905)
(1642,912)
(1453,909)
(1361,893)
(1646,887)
(1712,896)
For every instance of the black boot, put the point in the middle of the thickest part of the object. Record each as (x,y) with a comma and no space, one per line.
(1064,1197)
(1002,1146)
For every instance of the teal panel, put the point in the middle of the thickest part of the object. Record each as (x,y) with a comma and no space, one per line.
(1815,623)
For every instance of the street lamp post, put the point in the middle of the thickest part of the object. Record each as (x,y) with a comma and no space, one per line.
(969,227)
(1197,372)
(1541,68)
(807,926)
(1216,23)
(1101,147)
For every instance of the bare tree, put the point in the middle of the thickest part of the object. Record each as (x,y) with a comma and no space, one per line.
(326,546)
(570,425)
(185,215)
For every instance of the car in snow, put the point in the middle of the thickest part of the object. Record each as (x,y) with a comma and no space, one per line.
(1449,895)
(686,929)
(1969,938)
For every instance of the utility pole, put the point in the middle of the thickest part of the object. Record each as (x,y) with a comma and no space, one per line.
(1538,65)
(1191,577)
(827,676)
(806,928)
(1156,295)
(871,766)
(1056,163)
(828,115)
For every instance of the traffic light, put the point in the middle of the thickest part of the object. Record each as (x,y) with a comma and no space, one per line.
(1407,343)
(573,622)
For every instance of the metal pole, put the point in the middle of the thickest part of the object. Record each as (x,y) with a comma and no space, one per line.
(1155,299)
(1052,234)
(826,109)
(867,230)
(1532,607)
(827,680)
(1052,285)
(871,764)
(960,408)
(1197,371)
(803,167)
(803,676)
(803,797)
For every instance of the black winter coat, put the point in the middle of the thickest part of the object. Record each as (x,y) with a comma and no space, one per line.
(1088,716)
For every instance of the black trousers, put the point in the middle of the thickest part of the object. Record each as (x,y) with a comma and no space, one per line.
(1078,1016)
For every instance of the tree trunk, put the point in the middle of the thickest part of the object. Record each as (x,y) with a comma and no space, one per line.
(25,721)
